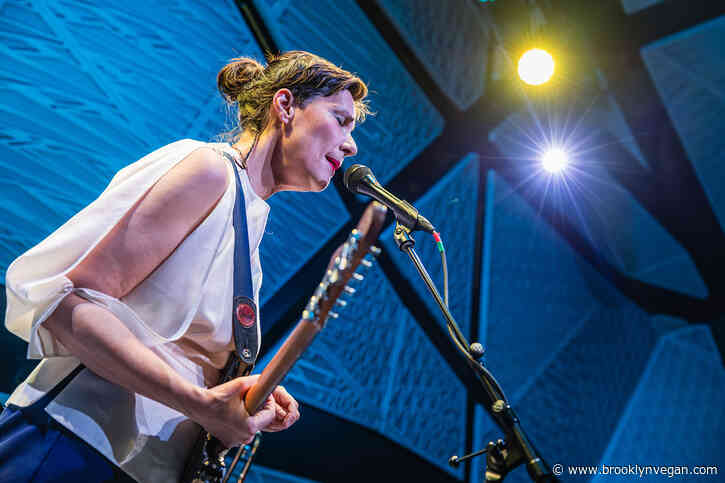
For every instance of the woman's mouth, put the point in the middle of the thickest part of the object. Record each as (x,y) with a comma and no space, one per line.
(334,162)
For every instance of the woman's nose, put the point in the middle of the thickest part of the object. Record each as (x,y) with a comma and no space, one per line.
(349,148)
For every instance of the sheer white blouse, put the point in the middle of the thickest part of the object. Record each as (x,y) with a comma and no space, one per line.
(182,311)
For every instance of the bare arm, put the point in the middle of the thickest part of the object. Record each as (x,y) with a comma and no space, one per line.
(143,239)
(108,348)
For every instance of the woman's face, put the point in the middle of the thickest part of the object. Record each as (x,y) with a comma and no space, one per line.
(315,140)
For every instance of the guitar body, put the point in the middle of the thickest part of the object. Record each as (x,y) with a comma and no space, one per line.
(206,463)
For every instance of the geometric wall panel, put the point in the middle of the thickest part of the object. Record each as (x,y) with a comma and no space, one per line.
(299,224)
(535,293)
(632,6)
(340,32)
(376,367)
(91,87)
(610,116)
(606,215)
(451,205)
(573,408)
(452,43)
(688,70)
(676,415)
(567,348)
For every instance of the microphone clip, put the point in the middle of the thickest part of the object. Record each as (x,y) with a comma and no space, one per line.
(360,179)
(402,236)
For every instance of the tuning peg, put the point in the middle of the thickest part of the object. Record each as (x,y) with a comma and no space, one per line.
(352,240)
(357,276)
(375,250)
(349,290)
(333,276)
(341,303)
(366,263)
(308,314)
(334,315)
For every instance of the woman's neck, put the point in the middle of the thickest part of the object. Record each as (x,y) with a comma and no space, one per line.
(259,161)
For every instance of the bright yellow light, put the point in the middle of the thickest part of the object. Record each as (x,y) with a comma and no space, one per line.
(536,66)
(554,160)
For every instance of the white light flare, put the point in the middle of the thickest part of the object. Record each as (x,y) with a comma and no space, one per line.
(554,160)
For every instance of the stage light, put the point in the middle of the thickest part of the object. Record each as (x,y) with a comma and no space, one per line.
(554,160)
(536,66)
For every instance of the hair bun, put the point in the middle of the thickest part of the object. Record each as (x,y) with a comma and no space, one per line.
(233,78)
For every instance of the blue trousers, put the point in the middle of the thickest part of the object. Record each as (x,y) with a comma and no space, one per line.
(34,448)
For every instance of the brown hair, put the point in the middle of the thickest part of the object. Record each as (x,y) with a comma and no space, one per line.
(244,82)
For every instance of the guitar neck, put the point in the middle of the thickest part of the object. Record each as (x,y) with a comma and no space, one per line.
(341,269)
(206,461)
(295,344)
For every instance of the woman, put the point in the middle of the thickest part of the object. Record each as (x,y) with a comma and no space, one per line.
(138,287)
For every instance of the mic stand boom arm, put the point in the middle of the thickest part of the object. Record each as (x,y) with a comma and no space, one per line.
(501,457)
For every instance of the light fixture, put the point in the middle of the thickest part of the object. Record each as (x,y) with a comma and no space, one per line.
(536,67)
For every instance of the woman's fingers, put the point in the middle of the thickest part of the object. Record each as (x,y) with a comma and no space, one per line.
(279,411)
(287,411)
(284,398)
(239,385)
(264,417)
(290,407)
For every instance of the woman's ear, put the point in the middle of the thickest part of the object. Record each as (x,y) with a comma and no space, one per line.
(283,104)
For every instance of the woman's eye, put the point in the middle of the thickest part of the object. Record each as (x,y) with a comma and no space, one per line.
(341,121)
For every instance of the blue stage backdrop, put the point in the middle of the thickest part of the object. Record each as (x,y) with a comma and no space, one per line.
(452,203)
(338,30)
(77,109)
(586,195)
(675,415)
(452,43)
(687,69)
(580,362)
(375,366)
(89,87)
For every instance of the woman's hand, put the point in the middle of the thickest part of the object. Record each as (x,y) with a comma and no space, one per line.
(225,417)
(287,410)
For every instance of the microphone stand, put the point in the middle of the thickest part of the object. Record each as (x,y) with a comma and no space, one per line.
(503,455)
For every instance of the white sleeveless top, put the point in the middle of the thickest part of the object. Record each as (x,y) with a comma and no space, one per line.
(182,311)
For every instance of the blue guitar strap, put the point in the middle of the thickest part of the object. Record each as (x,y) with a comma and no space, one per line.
(244,316)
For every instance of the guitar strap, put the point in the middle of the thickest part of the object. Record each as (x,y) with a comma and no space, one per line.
(244,310)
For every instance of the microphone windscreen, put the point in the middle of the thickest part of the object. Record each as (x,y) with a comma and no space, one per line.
(354,175)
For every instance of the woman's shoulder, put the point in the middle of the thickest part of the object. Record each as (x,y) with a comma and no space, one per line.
(161,160)
(199,167)
(180,148)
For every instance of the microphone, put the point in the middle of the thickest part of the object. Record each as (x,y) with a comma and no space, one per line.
(360,179)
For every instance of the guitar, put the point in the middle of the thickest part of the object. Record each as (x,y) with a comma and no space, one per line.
(207,463)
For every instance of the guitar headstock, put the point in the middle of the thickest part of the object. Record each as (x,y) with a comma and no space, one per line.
(357,250)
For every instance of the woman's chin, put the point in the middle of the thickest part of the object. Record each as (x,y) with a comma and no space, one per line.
(320,181)
(321,184)
(314,182)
